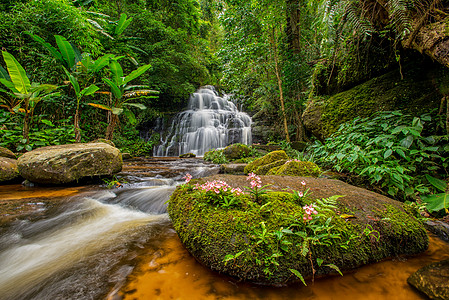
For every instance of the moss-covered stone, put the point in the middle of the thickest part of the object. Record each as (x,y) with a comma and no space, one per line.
(432,280)
(296,168)
(236,151)
(8,169)
(265,169)
(265,160)
(187,155)
(242,242)
(67,163)
(4,152)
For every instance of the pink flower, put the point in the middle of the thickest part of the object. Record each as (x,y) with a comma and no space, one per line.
(303,182)
(300,194)
(188,177)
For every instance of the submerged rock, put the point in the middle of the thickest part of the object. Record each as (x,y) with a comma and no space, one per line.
(8,169)
(69,163)
(432,280)
(267,241)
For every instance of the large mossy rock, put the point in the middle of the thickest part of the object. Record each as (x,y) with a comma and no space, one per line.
(8,169)
(247,241)
(296,168)
(68,163)
(270,158)
(4,152)
(236,151)
(432,280)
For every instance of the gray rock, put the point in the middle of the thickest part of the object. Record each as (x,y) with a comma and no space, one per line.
(236,169)
(440,228)
(8,169)
(432,280)
(68,163)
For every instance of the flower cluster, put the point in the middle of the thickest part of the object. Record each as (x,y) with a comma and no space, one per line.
(309,210)
(188,177)
(217,186)
(290,160)
(256,182)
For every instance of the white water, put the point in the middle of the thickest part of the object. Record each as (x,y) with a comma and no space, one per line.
(210,122)
(91,235)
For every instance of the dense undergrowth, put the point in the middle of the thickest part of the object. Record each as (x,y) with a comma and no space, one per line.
(390,151)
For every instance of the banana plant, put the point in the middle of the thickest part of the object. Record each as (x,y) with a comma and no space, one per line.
(80,70)
(19,87)
(437,202)
(120,93)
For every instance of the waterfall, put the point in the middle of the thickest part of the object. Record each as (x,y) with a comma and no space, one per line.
(209,122)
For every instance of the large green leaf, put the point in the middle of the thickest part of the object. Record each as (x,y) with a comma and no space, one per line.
(436,202)
(437,183)
(54,52)
(4,74)
(138,105)
(123,23)
(130,115)
(117,72)
(66,50)
(117,110)
(17,73)
(100,63)
(136,73)
(114,88)
(89,90)
(74,83)
(9,85)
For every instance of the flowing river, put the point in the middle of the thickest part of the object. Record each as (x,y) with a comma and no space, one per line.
(92,242)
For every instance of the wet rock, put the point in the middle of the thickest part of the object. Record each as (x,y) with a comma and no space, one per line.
(441,229)
(432,280)
(236,169)
(187,155)
(126,155)
(4,152)
(8,169)
(241,240)
(68,163)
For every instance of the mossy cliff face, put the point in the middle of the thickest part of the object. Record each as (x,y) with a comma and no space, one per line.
(244,242)
(418,92)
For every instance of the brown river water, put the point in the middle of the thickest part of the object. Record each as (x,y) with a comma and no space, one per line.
(91,242)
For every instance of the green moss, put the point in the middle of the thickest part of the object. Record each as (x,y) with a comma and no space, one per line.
(236,151)
(212,233)
(265,160)
(264,169)
(296,168)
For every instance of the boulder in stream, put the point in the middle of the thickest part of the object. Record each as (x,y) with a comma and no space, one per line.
(432,280)
(278,239)
(4,152)
(8,169)
(68,163)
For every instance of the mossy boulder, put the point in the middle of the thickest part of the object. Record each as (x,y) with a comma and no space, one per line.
(265,160)
(296,168)
(68,163)
(432,280)
(4,152)
(8,169)
(266,241)
(236,151)
(187,155)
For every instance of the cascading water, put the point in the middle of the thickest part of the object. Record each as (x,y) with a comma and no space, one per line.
(210,122)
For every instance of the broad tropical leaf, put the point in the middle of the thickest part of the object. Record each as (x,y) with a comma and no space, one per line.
(437,183)
(136,73)
(4,74)
(117,72)
(9,85)
(436,202)
(100,106)
(100,63)
(17,73)
(123,23)
(54,52)
(74,83)
(89,90)
(114,88)
(117,110)
(299,275)
(130,115)
(66,49)
(138,105)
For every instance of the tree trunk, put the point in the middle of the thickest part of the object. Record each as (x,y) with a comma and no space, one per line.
(77,126)
(447,115)
(111,126)
(26,126)
(293,29)
(279,81)
(431,39)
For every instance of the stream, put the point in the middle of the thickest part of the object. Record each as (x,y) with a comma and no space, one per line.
(91,242)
